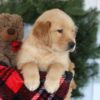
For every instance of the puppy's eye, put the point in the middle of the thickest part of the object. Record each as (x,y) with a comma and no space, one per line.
(60,30)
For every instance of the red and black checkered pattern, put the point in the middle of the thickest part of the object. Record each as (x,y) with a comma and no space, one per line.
(12,87)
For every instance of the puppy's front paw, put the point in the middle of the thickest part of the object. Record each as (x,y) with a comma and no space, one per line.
(32,84)
(51,85)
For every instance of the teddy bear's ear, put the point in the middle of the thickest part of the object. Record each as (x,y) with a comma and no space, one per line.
(17,20)
(41,31)
(4,20)
(17,17)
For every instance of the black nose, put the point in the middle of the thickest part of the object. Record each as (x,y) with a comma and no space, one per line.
(11,31)
(71,45)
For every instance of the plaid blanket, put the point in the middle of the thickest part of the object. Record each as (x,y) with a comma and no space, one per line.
(12,87)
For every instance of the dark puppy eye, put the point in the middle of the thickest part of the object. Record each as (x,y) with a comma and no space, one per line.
(60,30)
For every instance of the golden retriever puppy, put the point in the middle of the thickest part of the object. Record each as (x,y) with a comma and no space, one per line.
(47,49)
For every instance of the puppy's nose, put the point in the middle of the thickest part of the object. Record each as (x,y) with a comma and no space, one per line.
(11,31)
(71,45)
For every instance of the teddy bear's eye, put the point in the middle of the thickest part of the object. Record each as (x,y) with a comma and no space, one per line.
(11,31)
(60,30)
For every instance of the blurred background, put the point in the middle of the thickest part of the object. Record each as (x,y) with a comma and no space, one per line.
(86,15)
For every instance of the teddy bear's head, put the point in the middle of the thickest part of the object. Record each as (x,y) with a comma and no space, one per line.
(11,27)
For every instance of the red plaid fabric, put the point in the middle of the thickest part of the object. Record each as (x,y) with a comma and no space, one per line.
(12,87)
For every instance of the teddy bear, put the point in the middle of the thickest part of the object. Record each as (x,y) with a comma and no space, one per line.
(11,35)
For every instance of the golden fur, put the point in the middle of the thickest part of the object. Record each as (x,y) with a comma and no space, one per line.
(46,49)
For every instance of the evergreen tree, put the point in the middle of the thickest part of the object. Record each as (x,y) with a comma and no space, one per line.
(86,36)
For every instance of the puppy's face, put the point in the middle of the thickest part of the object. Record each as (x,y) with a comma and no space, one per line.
(56,30)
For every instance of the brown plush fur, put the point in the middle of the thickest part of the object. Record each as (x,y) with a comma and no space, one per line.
(10,21)
(47,49)
(9,24)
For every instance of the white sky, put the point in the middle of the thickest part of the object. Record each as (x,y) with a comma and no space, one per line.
(92,3)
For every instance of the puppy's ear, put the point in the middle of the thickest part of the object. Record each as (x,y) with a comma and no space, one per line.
(41,32)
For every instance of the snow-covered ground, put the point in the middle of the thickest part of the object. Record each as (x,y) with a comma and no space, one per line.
(27,29)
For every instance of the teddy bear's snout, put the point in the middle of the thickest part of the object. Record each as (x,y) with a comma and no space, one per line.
(11,31)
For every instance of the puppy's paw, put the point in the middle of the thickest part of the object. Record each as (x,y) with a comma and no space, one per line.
(51,85)
(31,84)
